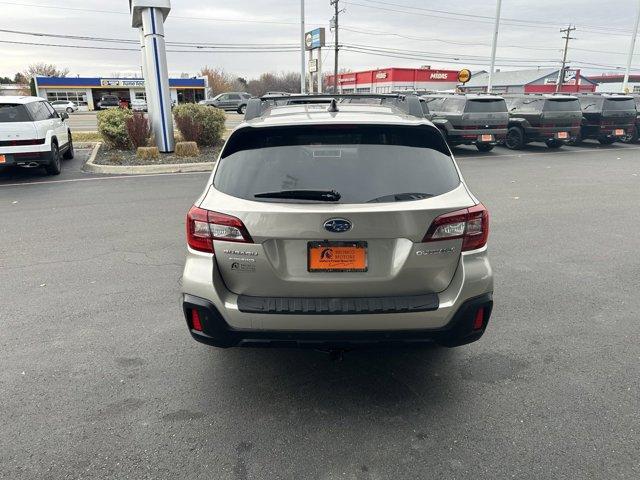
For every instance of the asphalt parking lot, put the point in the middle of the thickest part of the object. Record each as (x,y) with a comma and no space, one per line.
(88,122)
(100,378)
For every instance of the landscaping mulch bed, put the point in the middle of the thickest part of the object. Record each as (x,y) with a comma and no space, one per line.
(107,156)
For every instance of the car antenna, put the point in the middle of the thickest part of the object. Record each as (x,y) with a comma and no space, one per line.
(333,106)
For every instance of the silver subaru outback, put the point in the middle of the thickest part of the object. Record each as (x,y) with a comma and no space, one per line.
(333,224)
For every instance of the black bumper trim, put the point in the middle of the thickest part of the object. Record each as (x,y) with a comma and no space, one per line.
(217,332)
(337,305)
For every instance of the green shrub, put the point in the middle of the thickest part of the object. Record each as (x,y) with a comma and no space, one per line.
(203,122)
(112,127)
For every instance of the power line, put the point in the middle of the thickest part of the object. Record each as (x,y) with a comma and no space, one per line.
(115,12)
(411,8)
(122,49)
(137,42)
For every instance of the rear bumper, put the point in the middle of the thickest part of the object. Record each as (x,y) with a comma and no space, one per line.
(227,321)
(26,157)
(217,332)
(547,134)
(472,137)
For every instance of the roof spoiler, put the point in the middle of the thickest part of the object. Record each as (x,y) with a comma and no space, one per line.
(408,103)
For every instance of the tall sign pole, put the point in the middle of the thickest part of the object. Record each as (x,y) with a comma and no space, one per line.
(625,82)
(336,49)
(303,51)
(567,37)
(150,16)
(496,26)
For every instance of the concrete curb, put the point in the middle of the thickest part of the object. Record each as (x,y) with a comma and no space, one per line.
(91,167)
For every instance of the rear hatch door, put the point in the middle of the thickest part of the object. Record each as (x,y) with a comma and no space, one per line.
(15,124)
(561,112)
(392,182)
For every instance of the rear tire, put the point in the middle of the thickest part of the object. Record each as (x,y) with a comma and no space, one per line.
(515,138)
(606,140)
(554,144)
(69,110)
(69,154)
(54,167)
(633,138)
(576,141)
(242,109)
(484,147)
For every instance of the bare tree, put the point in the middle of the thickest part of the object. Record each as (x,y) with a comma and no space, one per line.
(44,70)
(275,82)
(219,81)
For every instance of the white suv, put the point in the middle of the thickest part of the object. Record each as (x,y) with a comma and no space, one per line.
(33,134)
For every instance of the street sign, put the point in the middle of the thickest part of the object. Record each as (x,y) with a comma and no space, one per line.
(464,75)
(313,65)
(314,39)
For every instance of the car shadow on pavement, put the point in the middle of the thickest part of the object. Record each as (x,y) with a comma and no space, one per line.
(271,380)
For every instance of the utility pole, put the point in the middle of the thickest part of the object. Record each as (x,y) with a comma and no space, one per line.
(302,50)
(335,46)
(567,31)
(625,82)
(496,26)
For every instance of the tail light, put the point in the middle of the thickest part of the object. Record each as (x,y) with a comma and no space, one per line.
(205,226)
(470,224)
(196,324)
(20,143)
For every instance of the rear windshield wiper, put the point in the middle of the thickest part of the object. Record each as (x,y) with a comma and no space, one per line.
(400,197)
(319,195)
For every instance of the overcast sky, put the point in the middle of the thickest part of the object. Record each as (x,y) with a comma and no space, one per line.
(604,26)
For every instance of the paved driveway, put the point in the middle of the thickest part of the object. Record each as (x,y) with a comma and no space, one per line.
(100,378)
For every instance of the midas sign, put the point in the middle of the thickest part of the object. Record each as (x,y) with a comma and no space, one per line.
(464,75)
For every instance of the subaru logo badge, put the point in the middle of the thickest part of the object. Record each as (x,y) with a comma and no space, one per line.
(337,225)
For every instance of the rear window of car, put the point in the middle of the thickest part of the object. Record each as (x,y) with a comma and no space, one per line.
(492,105)
(363,163)
(562,105)
(619,104)
(12,112)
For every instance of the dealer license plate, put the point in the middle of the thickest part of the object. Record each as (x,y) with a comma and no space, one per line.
(3,159)
(486,138)
(619,132)
(562,135)
(337,256)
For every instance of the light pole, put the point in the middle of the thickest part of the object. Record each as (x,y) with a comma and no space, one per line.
(625,82)
(302,50)
(150,16)
(493,45)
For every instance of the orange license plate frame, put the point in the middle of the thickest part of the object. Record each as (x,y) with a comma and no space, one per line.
(3,159)
(337,256)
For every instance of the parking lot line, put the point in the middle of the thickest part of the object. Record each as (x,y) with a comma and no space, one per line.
(115,177)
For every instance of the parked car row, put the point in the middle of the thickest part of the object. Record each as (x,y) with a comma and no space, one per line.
(485,120)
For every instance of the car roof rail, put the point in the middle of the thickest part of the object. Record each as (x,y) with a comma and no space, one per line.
(407,103)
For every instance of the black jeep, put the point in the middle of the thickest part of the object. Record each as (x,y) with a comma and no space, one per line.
(468,119)
(634,135)
(552,119)
(606,117)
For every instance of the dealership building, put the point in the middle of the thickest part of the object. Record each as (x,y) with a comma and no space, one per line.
(386,80)
(87,91)
(538,80)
